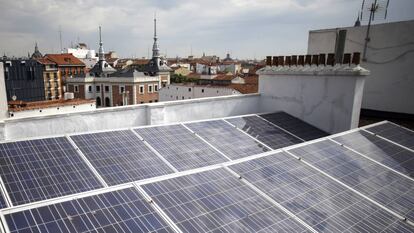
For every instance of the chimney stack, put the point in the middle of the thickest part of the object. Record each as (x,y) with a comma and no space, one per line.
(274,62)
(287,61)
(331,59)
(294,61)
(281,60)
(308,59)
(301,60)
(356,58)
(322,59)
(268,60)
(347,59)
(315,59)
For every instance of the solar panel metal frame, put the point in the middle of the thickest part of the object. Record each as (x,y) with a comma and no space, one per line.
(370,129)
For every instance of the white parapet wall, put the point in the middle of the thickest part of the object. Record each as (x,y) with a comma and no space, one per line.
(328,97)
(129,116)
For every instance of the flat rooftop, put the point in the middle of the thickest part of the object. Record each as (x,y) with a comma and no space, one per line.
(248,173)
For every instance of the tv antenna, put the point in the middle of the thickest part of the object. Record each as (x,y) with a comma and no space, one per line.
(376,8)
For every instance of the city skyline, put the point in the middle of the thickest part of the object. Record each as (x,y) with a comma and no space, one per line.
(244,28)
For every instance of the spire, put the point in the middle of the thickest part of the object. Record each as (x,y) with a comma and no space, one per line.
(155,48)
(36,48)
(101,53)
(36,53)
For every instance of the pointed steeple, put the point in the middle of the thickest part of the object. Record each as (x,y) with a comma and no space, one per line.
(101,53)
(36,53)
(155,47)
(357,22)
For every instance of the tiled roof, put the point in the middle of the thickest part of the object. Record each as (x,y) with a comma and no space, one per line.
(65,59)
(244,88)
(45,61)
(19,105)
(225,77)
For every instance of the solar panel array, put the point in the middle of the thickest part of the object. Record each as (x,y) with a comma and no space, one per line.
(225,175)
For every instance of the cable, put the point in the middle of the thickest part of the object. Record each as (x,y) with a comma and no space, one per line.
(392,60)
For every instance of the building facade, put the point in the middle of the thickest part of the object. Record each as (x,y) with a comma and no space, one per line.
(191,91)
(67,64)
(52,79)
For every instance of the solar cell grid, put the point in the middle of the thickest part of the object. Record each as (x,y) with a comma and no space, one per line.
(216,201)
(295,126)
(41,169)
(381,184)
(394,133)
(319,201)
(117,211)
(227,139)
(380,150)
(264,131)
(120,157)
(180,147)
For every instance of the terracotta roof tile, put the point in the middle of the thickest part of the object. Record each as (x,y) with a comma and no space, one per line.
(65,59)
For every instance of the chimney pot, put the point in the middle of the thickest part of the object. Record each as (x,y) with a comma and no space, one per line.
(268,60)
(274,61)
(288,60)
(322,59)
(281,60)
(356,58)
(315,59)
(331,59)
(301,60)
(308,60)
(347,59)
(294,60)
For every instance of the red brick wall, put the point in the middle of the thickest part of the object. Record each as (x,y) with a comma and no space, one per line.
(147,97)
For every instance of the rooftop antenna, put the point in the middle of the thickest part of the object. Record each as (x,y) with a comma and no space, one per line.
(60,39)
(376,7)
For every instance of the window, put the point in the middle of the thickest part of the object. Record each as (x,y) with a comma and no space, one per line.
(121,89)
(141,89)
(156,87)
(90,88)
(155,101)
(76,88)
(150,101)
(98,88)
(150,88)
(202,90)
(189,89)
(142,102)
(183,97)
(106,88)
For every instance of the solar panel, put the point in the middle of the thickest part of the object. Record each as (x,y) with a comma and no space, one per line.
(264,131)
(380,150)
(117,211)
(120,156)
(294,125)
(40,169)
(394,133)
(321,202)
(382,185)
(216,201)
(227,139)
(180,147)
(2,202)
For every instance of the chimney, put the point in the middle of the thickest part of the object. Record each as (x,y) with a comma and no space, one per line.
(3,96)
(268,60)
(281,60)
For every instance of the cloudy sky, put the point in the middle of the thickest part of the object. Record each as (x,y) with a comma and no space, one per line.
(246,28)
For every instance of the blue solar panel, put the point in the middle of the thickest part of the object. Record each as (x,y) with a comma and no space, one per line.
(295,126)
(394,133)
(319,201)
(382,185)
(180,147)
(216,201)
(118,211)
(2,202)
(380,150)
(227,139)
(41,169)
(264,131)
(120,156)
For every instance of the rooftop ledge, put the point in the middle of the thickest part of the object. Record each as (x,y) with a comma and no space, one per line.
(339,70)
